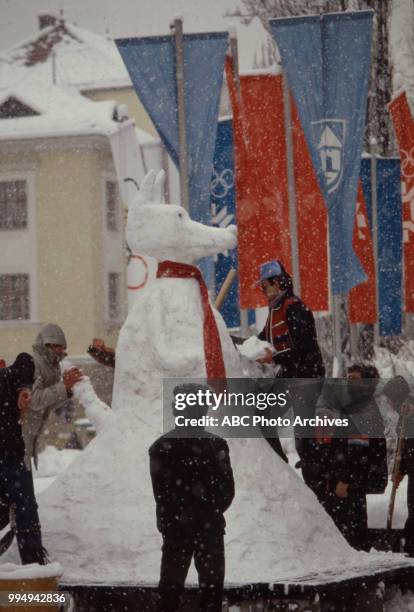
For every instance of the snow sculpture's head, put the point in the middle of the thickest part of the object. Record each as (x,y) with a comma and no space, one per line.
(165,231)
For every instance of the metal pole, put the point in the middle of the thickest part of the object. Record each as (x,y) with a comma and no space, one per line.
(354,341)
(179,75)
(291,186)
(54,68)
(164,166)
(336,314)
(235,57)
(374,208)
(244,315)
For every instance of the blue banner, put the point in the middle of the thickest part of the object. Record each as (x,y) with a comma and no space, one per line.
(223,213)
(389,213)
(151,65)
(327,62)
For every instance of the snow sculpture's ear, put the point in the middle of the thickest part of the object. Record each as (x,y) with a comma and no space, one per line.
(146,189)
(158,195)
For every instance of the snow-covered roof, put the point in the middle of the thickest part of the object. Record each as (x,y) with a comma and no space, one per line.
(59,111)
(67,55)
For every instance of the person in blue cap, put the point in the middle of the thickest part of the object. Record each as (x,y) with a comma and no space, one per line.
(290,327)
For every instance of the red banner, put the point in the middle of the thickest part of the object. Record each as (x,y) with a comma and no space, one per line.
(262,198)
(362,298)
(404,129)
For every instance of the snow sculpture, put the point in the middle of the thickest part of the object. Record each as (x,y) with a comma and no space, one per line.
(98,517)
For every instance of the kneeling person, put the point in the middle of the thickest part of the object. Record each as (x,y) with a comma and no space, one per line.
(193,486)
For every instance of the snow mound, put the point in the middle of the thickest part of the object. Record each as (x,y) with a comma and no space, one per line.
(52,461)
(10,571)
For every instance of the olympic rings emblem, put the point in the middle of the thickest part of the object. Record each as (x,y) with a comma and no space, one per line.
(221,183)
(407,163)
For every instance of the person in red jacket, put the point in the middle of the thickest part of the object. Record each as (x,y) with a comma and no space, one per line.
(290,329)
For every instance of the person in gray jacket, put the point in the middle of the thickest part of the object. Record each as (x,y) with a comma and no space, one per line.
(50,388)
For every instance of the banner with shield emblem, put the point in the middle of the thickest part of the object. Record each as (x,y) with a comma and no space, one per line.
(327,63)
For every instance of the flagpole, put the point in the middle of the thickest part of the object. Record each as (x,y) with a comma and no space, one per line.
(235,59)
(244,314)
(374,210)
(337,337)
(354,333)
(291,185)
(179,75)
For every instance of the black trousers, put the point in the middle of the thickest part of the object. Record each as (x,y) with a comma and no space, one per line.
(350,516)
(178,549)
(17,489)
(409,524)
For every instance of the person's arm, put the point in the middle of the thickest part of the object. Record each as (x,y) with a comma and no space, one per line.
(225,484)
(102,354)
(161,485)
(24,398)
(46,396)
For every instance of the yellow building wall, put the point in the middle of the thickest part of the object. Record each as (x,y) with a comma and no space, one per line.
(126,96)
(68,189)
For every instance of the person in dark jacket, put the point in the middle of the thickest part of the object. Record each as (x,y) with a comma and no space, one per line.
(193,486)
(398,393)
(16,483)
(358,459)
(290,329)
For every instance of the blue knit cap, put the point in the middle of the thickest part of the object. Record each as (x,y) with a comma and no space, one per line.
(270,269)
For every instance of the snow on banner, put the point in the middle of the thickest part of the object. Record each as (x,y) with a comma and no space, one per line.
(404,128)
(150,62)
(327,61)
(261,187)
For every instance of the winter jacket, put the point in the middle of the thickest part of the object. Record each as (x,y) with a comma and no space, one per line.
(12,379)
(359,458)
(192,482)
(407,459)
(301,357)
(48,394)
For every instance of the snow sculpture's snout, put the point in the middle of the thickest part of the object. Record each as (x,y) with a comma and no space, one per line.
(165,231)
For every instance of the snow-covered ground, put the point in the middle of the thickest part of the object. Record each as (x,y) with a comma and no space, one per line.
(51,463)
(400,603)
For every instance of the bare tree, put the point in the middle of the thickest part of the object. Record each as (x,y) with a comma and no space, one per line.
(380,90)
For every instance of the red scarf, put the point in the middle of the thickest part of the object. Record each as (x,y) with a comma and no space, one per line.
(212,345)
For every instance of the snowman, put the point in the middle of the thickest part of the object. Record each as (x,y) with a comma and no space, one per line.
(98,517)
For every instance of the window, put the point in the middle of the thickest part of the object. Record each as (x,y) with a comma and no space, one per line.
(14,108)
(113,295)
(111,197)
(14,297)
(13,205)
